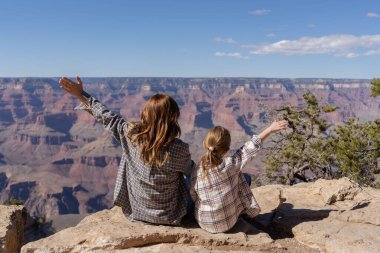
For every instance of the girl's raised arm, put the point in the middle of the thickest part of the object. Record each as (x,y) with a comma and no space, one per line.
(273,128)
(111,121)
(249,150)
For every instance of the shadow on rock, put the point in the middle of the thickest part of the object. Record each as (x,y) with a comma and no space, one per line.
(285,218)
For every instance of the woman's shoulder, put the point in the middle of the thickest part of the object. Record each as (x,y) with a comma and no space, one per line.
(179,144)
(179,151)
(178,141)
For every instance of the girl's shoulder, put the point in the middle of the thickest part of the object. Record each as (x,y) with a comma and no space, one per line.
(226,165)
(220,169)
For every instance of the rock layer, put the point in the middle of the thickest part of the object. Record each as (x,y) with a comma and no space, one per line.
(46,147)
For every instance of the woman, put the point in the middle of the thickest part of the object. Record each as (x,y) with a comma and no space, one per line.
(150,185)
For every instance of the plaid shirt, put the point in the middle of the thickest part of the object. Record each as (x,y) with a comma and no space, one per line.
(223,194)
(145,193)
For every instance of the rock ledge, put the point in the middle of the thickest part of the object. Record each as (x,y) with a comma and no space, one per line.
(325,216)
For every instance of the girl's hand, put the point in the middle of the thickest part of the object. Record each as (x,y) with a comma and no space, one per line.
(278,126)
(71,87)
(273,128)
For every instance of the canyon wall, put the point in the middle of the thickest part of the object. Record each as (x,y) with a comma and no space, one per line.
(59,161)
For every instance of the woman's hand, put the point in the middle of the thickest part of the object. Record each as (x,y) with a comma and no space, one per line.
(278,126)
(71,87)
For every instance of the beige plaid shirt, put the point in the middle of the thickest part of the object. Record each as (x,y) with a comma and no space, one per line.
(223,194)
(145,193)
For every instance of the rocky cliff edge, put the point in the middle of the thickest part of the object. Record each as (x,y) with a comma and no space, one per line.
(325,216)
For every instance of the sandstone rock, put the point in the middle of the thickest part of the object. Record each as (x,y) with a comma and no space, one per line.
(176,248)
(334,216)
(334,236)
(332,191)
(269,197)
(12,220)
(109,231)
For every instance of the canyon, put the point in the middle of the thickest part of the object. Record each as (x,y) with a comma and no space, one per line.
(60,161)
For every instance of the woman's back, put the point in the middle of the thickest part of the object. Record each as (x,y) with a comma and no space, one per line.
(150,184)
(151,194)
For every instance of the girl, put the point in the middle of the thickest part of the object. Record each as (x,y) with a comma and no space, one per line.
(150,185)
(218,187)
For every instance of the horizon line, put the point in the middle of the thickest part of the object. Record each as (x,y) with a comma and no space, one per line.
(189,77)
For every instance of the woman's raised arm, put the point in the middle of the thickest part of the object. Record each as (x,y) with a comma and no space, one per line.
(112,122)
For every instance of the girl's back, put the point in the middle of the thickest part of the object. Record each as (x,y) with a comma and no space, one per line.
(218,187)
(221,193)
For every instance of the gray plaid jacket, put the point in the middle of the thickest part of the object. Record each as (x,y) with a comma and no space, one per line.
(223,194)
(145,193)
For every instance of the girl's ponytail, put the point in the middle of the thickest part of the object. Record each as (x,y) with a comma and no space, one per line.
(216,143)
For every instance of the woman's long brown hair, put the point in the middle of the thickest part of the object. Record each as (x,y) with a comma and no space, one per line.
(216,143)
(157,130)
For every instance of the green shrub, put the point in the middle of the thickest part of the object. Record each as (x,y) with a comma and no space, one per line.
(313,149)
(14,201)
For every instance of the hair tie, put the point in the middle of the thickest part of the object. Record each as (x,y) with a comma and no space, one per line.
(211,148)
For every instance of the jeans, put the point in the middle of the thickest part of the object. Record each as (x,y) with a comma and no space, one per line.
(190,202)
(247,178)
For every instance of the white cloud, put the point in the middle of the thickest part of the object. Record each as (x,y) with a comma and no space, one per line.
(236,55)
(225,40)
(373,15)
(344,45)
(271,35)
(259,12)
(311,26)
(372,52)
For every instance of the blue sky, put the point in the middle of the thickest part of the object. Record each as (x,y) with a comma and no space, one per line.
(178,38)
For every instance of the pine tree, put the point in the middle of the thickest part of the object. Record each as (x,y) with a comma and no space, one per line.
(356,150)
(301,154)
(375,86)
(313,149)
